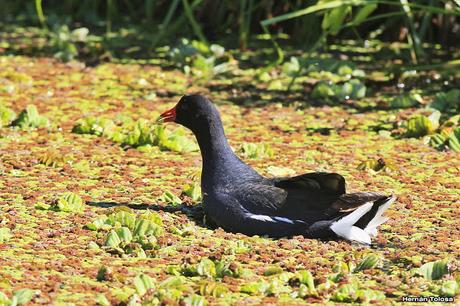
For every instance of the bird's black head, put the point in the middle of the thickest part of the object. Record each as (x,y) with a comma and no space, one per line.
(194,112)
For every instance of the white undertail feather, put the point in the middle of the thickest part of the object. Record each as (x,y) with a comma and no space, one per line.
(345,227)
(379,219)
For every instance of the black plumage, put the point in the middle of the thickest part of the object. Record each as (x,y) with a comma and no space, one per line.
(238,199)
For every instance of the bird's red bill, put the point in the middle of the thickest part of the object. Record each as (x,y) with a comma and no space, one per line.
(168,116)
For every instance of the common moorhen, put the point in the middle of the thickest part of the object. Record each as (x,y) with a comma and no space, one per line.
(238,199)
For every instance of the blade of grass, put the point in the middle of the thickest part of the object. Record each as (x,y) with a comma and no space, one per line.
(245,21)
(279,51)
(333,4)
(196,27)
(109,16)
(412,38)
(425,23)
(164,24)
(40,15)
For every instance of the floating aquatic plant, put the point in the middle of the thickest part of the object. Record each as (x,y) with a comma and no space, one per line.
(94,126)
(170,198)
(6,116)
(256,150)
(422,125)
(143,283)
(368,262)
(53,159)
(193,191)
(406,100)
(30,118)
(20,297)
(129,233)
(446,101)
(66,202)
(434,270)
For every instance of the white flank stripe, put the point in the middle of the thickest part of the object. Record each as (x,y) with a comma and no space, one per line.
(260,217)
(282,219)
(272,219)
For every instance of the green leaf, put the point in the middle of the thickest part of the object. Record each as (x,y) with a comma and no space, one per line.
(143,283)
(405,101)
(437,141)
(334,18)
(112,239)
(4,300)
(273,270)
(102,274)
(306,278)
(368,262)
(68,202)
(449,288)
(102,300)
(206,267)
(97,223)
(6,116)
(255,150)
(30,118)
(172,282)
(345,293)
(292,67)
(280,171)
(23,296)
(446,101)
(434,270)
(142,134)
(193,191)
(95,126)
(276,287)
(194,300)
(323,90)
(213,289)
(454,140)
(420,125)
(122,218)
(353,89)
(217,50)
(143,227)
(170,198)
(124,234)
(231,269)
(363,13)
(254,288)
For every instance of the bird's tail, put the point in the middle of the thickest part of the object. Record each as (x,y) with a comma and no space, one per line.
(360,224)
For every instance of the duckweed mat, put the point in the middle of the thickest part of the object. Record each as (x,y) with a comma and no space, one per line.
(100,206)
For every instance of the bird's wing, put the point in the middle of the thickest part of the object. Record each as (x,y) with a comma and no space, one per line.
(315,197)
(351,201)
(315,181)
(259,198)
(310,194)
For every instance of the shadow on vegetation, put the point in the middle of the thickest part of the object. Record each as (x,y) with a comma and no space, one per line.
(193,212)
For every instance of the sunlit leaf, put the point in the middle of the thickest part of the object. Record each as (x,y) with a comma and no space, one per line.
(434,270)
(143,283)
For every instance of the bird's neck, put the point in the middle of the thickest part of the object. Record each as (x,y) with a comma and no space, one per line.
(214,146)
(220,163)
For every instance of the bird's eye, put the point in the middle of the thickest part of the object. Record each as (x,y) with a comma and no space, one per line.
(184,106)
